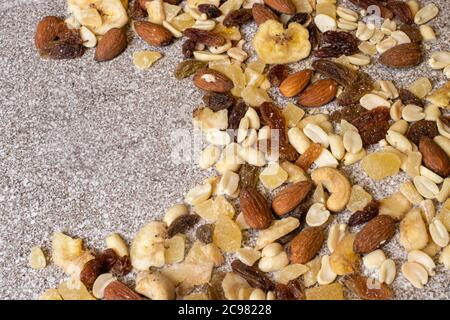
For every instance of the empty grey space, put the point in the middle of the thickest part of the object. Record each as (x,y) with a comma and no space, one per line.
(85,147)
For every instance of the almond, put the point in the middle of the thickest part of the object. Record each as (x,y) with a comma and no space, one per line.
(290,197)
(282,6)
(306,244)
(318,94)
(262,13)
(152,33)
(295,83)
(211,80)
(374,234)
(255,208)
(112,44)
(434,157)
(47,30)
(117,290)
(402,56)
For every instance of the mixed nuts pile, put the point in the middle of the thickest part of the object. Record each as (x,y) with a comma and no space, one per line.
(278,169)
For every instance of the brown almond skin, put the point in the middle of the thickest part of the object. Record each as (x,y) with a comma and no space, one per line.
(434,157)
(359,285)
(153,33)
(318,94)
(283,6)
(111,45)
(402,56)
(262,13)
(47,30)
(295,83)
(221,83)
(290,197)
(306,244)
(374,234)
(117,290)
(255,208)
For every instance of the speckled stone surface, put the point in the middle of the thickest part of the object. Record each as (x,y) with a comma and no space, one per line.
(85,148)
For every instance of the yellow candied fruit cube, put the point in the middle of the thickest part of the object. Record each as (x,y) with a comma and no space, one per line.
(231,33)
(182,21)
(359,198)
(206,210)
(332,291)
(273,176)
(295,173)
(326,8)
(292,114)
(204,254)
(50,294)
(227,234)
(145,59)
(222,206)
(174,249)
(379,165)
(257,66)
(253,78)
(255,96)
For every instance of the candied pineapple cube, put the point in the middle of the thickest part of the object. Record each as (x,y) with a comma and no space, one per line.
(205,253)
(182,21)
(50,294)
(255,96)
(227,234)
(174,249)
(379,165)
(205,210)
(223,207)
(292,114)
(145,59)
(344,260)
(359,198)
(273,176)
(231,33)
(333,291)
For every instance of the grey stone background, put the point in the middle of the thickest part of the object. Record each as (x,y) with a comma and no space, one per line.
(85,147)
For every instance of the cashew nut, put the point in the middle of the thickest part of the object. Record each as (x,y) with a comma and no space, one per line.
(336,183)
(155,286)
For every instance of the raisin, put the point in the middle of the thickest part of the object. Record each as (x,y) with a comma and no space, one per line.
(188,67)
(369,212)
(137,12)
(412,32)
(287,151)
(370,5)
(68,45)
(309,156)
(109,258)
(218,101)
(282,292)
(314,35)
(422,128)
(337,43)
(354,92)
(336,71)
(91,270)
(445,119)
(300,18)
(182,224)
(296,289)
(204,233)
(122,266)
(368,289)
(208,38)
(253,275)
(188,48)
(236,113)
(248,176)
(348,113)
(210,10)
(277,74)
(408,97)
(368,117)
(374,133)
(238,17)
(401,11)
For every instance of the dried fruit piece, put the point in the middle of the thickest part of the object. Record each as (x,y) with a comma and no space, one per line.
(354,92)
(359,198)
(369,212)
(255,208)
(208,38)
(401,11)
(188,48)
(236,113)
(368,288)
(306,244)
(182,224)
(368,4)
(290,197)
(254,277)
(218,101)
(147,248)
(367,118)
(227,234)
(336,71)
(422,128)
(237,17)
(344,260)
(374,133)
(210,10)
(248,176)
(300,18)
(407,97)
(204,233)
(332,291)
(277,74)
(375,233)
(379,165)
(309,156)
(337,43)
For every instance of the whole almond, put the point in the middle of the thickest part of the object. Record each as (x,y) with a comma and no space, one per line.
(318,94)
(112,44)
(282,6)
(152,33)
(295,83)
(117,290)
(306,244)
(374,234)
(402,56)
(434,157)
(262,13)
(47,30)
(211,80)
(255,208)
(290,197)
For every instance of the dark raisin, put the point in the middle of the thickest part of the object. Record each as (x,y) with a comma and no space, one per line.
(300,18)
(282,292)
(412,32)
(208,38)
(355,91)
(408,97)
(122,266)
(109,258)
(374,133)
(445,119)
(314,35)
(238,17)
(188,67)
(248,176)
(67,46)
(369,212)
(91,270)
(188,48)
(204,233)
(371,116)
(218,101)
(337,43)
(236,113)
(296,289)
(374,7)
(336,71)
(182,224)
(401,11)
(253,275)
(137,12)
(210,10)
(348,113)
(277,74)
(422,128)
